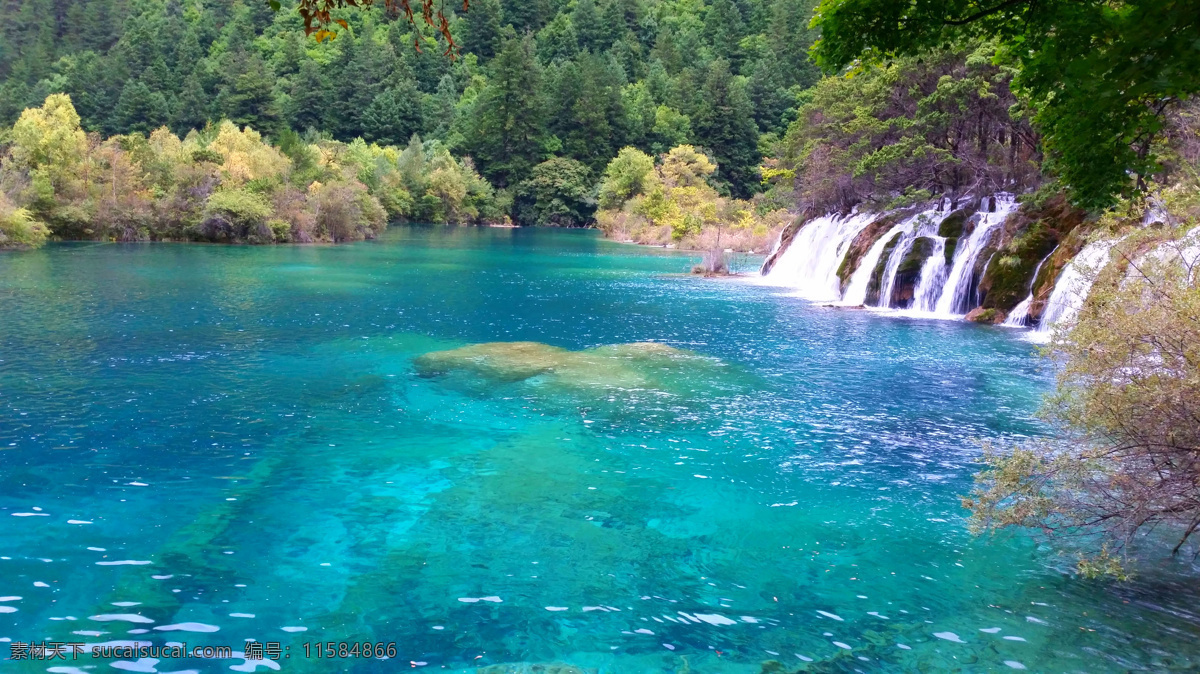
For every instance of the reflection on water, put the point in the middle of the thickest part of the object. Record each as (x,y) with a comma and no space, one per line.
(518,451)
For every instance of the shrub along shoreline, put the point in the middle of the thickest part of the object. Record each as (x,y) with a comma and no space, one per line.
(222,184)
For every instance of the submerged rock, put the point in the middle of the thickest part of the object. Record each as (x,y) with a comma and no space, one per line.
(614,366)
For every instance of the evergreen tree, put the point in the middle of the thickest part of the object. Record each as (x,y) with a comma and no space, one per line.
(769,99)
(248,95)
(481,28)
(523,15)
(139,110)
(558,41)
(308,104)
(192,106)
(394,115)
(724,29)
(724,124)
(588,29)
(509,122)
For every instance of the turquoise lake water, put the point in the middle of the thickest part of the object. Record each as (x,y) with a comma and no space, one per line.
(242,443)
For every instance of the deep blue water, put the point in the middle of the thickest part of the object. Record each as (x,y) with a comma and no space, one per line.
(243,438)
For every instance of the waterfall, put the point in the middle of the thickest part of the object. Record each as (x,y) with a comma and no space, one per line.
(1073,285)
(1019,316)
(933,278)
(809,265)
(856,291)
(922,225)
(955,296)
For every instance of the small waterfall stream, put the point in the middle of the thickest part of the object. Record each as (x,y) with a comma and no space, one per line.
(922,225)
(955,298)
(856,291)
(1019,316)
(1073,285)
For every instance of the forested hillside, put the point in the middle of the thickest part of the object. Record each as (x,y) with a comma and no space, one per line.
(576,79)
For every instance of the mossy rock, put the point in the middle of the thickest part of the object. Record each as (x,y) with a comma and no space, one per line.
(1010,275)
(951,246)
(1029,236)
(909,272)
(876,281)
(921,249)
(989,316)
(954,224)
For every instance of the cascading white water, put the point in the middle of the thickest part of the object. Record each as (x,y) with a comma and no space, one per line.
(1019,316)
(810,263)
(856,291)
(933,277)
(910,230)
(1073,285)
(954,296)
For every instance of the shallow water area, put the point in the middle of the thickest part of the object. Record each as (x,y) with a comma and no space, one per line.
(211,445)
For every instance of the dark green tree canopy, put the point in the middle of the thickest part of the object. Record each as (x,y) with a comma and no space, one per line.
(1099,74)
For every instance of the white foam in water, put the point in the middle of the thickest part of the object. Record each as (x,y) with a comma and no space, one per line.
(556,608)
(294,629)
(1039,621)
(98,549)
(38,583)
(473,600)
(79,522)
(949,636)
(8,609)
(831,615)
(30,515)
(715,619)
(803,657)
(10,599)
(67,670)
(251,665)
(1014,664)
(990,630)
(1014,639)
(168,577)
(125,617)
(842,645)
(126,604)
(89,633)
(187,627)
(241,615)
(125,562)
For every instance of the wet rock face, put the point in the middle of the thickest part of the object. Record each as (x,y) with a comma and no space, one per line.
(785,239)
(990,316)
(909,272)
(862,244)
(1028,237)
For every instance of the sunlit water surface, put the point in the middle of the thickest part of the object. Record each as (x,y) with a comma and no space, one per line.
(234,443)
